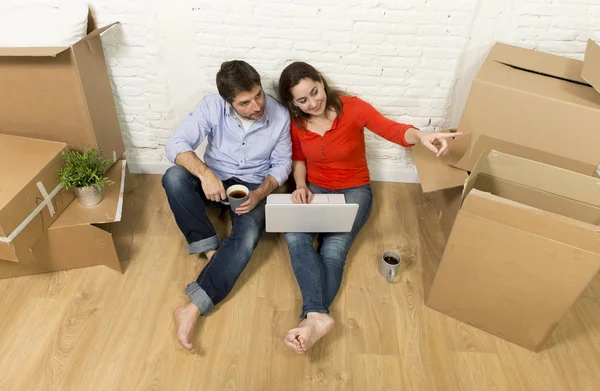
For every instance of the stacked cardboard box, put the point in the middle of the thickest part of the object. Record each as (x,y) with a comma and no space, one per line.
(58,98)
(517,198)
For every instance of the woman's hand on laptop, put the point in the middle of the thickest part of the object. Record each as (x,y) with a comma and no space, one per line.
(302,195)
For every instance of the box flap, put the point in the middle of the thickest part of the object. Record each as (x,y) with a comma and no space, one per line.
(530,219)
(591,65)
(97,32)
(107,211)
(32,52)
(537,175)
(435,173)
(538,62)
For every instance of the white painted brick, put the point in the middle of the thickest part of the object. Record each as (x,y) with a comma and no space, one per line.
(403,4)
(552,35)
(449,30)
(277,10)
(537,21)
(363,70)
(558,10)
(561,46)
(356,14)
(403,56)
(390,50)
(322,24)
(344,3)
(388,28)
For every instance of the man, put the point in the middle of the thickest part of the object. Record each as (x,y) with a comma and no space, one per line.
(248,143)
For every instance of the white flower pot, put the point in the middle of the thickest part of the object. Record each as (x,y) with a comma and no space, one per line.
(88,196)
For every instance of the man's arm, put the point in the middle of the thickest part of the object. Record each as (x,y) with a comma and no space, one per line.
(212,186)
(181,146)
(281,166)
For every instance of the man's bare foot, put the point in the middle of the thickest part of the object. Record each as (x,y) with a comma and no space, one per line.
(209,254)
(314,327)
(185,321)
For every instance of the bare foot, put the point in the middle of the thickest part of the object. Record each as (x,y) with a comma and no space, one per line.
(314,327)
(185,321)
(209,254)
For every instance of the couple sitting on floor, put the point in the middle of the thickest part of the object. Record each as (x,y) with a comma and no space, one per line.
(253,142)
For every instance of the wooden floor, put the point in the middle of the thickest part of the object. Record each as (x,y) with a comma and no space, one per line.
(95,329)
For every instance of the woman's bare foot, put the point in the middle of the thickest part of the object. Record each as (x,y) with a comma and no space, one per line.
(209,254)
(314,327)
(185,321)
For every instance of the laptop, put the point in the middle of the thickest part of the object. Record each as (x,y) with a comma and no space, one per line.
(325,213)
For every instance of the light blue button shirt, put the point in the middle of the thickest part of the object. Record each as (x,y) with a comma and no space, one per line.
(231,152)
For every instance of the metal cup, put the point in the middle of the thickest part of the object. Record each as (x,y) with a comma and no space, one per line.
(389,265)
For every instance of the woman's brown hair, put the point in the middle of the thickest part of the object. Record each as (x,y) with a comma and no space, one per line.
(290,77)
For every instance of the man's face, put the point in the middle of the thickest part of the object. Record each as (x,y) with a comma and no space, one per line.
(250,104)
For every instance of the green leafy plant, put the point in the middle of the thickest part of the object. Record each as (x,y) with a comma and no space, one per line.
(84,168)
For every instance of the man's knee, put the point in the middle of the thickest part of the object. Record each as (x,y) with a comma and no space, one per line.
(176,179)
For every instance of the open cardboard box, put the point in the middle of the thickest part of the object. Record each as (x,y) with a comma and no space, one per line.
(61,94)
(31,197)
(535,105)
(525,244)
(84,236)
(525,103)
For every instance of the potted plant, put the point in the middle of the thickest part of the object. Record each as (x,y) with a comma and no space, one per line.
(84,172)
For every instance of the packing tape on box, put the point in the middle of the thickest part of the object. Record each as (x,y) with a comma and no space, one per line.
(45,194)
(115,156)
(47,200)
(119,211)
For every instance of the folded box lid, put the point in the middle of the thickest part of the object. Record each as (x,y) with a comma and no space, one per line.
(49,51)
(107,211)
(591,65)
(583,72)
(436,173)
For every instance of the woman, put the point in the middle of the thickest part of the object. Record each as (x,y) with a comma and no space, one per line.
(328,153)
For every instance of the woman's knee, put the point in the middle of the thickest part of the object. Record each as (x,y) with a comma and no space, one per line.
(298,239)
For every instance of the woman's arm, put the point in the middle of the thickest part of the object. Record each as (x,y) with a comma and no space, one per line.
(302,195)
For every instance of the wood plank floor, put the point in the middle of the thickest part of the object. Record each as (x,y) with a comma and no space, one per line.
(96,329)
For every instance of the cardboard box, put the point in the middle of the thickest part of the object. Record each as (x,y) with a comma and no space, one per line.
(61,94)
(443,181)
(31,197)
(84,236)
(535,105)
(525,244)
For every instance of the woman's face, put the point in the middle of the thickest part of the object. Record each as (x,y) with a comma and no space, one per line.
(309,96)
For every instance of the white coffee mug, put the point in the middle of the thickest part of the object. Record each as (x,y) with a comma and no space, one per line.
(389,265)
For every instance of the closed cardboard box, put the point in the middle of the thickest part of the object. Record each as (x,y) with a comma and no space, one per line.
(31,197)
(525,244)
(84,236)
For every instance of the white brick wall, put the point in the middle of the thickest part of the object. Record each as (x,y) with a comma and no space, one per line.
(413,59)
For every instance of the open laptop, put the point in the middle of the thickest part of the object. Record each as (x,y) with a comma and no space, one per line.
(325,213)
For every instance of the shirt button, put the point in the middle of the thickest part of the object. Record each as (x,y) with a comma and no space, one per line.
(243,143)
(322,153)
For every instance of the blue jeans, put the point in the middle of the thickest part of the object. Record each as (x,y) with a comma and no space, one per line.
(188,203)
(319,272)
